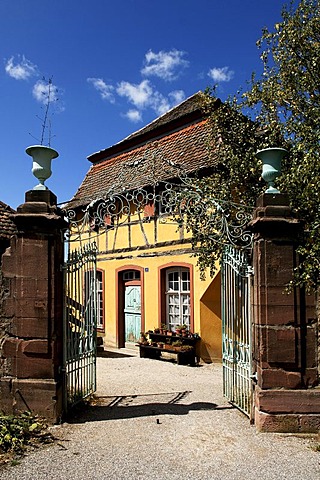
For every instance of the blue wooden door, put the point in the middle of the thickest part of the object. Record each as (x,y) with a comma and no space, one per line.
(132,313)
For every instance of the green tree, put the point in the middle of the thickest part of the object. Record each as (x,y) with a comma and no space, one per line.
(283,108)
(288,97)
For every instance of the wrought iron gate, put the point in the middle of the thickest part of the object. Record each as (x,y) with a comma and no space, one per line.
(236,327)
(80,318)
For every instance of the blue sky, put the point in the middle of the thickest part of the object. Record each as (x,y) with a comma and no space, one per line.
(115,66)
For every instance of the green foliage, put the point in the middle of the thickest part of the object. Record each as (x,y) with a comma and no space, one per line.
(289,102)
(217,204)
(283,106)
(18,431)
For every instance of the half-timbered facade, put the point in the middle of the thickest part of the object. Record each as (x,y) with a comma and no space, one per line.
(146,272)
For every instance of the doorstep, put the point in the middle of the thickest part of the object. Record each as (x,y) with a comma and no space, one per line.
(127,351)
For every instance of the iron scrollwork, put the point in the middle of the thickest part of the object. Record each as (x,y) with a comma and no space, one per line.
(173,201)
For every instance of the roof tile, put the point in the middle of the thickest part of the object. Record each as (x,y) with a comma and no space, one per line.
(181,152)
(7,227)
(175,143)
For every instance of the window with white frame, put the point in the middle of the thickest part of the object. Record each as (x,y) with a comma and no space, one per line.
(131,275)
(177,297)
(89,290)
(100,322)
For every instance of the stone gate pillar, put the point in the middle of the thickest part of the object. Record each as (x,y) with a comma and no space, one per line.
(284,331)
(31,350)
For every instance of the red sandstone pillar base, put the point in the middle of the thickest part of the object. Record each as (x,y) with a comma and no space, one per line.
(295,411)
(41,397)
(31,350)
(286,397)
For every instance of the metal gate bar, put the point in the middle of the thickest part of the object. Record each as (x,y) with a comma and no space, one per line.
(80,318)
(236,328)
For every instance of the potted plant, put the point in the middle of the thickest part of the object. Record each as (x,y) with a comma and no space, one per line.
(143,339)
(187,348)
(178,329)
(184,330)
(163,329)
(41,163)
(177,345)
(41,154)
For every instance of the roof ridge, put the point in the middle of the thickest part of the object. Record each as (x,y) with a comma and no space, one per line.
(191,105)
(6,206)
(179,105)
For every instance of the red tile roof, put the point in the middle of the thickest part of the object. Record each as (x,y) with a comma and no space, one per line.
(7,227)
(176,141)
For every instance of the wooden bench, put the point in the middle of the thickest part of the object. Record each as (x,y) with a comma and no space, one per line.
(187,357)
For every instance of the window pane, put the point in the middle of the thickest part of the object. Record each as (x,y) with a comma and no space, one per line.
(131,275)
(185,278)
(185,310)
(185,299)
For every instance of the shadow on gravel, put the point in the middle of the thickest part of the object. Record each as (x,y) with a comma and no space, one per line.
(107,354)
(133,406)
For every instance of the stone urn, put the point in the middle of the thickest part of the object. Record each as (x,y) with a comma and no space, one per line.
(41,165)
(271,165)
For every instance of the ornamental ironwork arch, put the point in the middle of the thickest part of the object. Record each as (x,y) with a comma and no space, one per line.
(225,222)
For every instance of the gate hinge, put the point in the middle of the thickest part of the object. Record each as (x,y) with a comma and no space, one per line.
(250,270)
(254,377)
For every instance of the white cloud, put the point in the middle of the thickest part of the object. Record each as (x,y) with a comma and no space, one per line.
(105,90)
(220,74)
(22,69)
(133,115)
(165,65)
(143,95)
(44,91)
(138,94)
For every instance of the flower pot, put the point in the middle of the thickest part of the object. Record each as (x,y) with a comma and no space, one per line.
(41,166)
(271,165)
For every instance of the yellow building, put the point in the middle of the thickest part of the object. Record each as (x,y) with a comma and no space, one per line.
(147,273)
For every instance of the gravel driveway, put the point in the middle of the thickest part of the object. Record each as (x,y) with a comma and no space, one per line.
(158,420)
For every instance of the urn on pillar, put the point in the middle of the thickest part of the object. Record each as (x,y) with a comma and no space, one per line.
(271,165)
(41,166)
